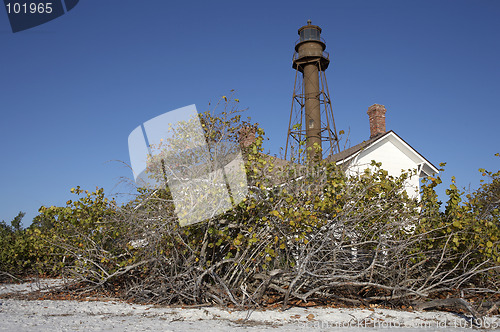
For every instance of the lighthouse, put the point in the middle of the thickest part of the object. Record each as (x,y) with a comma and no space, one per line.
(311,117)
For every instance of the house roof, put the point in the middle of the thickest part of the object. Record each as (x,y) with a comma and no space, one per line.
(351,152)
(345,154)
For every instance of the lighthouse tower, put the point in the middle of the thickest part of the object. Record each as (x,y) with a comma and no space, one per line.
(311,128)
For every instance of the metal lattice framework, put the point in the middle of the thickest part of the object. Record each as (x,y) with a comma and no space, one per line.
(296,136)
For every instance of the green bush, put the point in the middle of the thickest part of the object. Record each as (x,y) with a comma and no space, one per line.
(304,231)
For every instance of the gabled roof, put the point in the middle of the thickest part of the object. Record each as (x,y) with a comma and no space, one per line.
(352,152)
(342,155)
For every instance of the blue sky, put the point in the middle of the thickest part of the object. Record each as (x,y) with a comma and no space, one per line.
(73,89)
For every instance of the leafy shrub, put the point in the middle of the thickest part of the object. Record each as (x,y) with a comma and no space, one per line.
(304,232)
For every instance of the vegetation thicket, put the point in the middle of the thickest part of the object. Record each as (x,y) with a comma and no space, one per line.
(304,232)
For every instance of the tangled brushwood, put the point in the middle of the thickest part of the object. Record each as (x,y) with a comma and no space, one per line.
(304,232)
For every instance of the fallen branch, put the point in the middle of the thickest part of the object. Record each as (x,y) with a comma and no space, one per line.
(453,303)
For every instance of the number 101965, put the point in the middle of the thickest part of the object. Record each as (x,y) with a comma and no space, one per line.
(31,8)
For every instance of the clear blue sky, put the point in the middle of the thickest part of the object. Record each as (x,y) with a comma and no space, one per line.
(73,89)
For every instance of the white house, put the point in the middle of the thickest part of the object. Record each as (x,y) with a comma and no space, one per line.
(388,148)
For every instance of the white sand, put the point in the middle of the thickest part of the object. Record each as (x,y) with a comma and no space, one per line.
(20,315)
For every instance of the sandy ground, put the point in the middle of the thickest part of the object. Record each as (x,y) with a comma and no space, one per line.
(21,315)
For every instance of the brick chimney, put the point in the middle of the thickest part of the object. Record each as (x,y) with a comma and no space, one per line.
(247,136)
(376,113)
